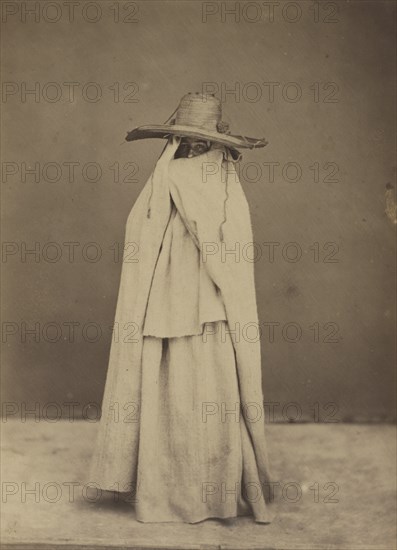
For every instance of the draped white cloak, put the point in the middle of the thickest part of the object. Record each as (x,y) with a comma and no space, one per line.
(209,198)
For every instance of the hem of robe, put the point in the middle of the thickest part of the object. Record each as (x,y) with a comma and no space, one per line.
(264,521)
(185,333)
(243,509)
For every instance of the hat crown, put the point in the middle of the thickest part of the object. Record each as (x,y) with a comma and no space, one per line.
(199,110)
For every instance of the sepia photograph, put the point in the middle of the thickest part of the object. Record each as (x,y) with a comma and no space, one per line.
(198,275)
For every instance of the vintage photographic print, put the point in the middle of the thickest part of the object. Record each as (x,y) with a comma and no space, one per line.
(199,275)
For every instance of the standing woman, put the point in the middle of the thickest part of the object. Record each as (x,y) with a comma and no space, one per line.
(182,425)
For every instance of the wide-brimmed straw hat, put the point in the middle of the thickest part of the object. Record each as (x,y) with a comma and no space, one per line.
(197,116)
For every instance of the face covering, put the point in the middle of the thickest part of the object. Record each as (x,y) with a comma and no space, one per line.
(190,148)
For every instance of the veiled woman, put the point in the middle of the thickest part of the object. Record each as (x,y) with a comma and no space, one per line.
(182,427)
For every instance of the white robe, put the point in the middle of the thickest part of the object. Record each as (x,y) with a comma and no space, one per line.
(128,451)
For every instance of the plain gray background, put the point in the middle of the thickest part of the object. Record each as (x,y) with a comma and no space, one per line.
(171,49)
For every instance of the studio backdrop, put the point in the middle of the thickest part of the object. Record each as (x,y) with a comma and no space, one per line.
(315,81)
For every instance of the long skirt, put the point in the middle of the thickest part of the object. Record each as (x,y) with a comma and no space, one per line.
(190,460)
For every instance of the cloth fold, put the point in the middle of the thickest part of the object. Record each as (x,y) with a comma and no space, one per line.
(182,296)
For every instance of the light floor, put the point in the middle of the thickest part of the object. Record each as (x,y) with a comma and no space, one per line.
(356,461)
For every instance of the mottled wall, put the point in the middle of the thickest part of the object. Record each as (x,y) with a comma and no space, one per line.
(315,79)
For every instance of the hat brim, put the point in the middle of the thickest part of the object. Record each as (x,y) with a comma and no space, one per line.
(163,131)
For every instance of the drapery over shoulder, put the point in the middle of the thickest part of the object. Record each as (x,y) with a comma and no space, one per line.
(183,297)
(213,207)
